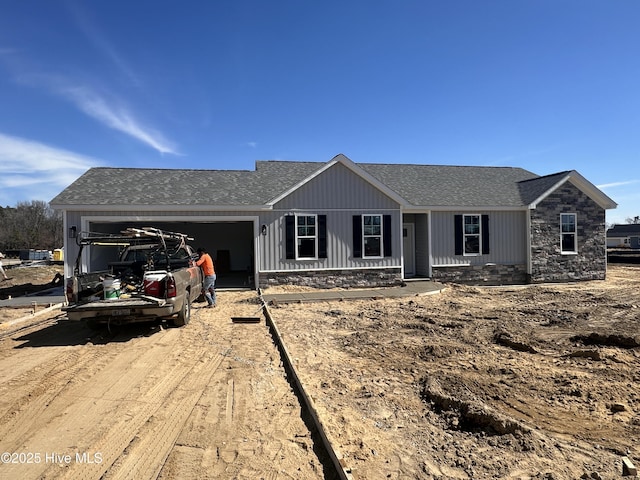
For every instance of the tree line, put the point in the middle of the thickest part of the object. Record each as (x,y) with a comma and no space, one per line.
(30,225)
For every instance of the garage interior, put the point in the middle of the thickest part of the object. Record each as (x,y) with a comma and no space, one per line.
(230,244)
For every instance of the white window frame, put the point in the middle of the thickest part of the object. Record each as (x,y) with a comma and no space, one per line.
(465,235)
(306,236)
(370,235)
(574,232)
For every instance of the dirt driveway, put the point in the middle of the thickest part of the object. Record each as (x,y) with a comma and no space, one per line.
(207,401)
(537,382)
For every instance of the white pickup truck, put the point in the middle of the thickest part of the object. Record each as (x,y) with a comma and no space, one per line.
(152,276)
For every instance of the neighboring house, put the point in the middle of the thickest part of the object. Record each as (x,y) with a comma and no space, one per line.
(624,236)
(345,224)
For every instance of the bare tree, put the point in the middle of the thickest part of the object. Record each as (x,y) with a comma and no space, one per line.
(632,221)
(30,225)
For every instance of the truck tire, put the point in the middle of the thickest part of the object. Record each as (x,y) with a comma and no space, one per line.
(184,315)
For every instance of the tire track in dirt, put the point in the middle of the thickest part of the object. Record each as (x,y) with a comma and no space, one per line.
(209,400)
(144,458)
(93,404)
(247,424)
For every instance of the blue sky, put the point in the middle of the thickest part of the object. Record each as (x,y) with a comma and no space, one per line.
(546,85)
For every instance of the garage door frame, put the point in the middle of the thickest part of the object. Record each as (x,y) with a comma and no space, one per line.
(85,221)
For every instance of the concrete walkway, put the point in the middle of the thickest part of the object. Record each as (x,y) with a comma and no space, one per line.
(51,296)
(409,289)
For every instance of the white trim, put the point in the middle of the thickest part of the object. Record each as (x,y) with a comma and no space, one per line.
(464,235)
(315,237)
(373,257)
(453,265)
(336,269)
(574,233)
(162,208)
(353,210)
(582,184)
(86,220)
(458,208)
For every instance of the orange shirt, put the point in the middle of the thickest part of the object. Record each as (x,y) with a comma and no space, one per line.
(207,264)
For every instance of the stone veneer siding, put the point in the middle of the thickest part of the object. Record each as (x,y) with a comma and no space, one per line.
(490,274)
(334,279)
(548,264)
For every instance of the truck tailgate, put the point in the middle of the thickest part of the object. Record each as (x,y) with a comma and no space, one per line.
(115,305)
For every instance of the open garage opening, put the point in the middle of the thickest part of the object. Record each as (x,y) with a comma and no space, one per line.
(230,244)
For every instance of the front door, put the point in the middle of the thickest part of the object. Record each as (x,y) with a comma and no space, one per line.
(409,249)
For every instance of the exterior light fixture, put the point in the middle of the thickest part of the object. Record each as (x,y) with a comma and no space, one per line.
(264,230)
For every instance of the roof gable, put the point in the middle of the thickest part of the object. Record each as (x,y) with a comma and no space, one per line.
(536,190)
(342,160)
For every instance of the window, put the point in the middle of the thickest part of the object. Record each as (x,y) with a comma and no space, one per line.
(305,237)
(471,235)
(568,233)
(372,235)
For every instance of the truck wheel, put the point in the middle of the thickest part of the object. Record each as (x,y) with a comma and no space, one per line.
(184,315)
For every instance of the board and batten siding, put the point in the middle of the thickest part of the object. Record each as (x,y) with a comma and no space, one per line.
(339,194)
(507,239)
(339,243)
(337,188)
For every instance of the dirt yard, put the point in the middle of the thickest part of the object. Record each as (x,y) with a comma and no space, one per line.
(535,382)
(531,382)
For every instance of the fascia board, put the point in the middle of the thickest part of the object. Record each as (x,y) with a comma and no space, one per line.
(458,208)
(160,207)
(582,184)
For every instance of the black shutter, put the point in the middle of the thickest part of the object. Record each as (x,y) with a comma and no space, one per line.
(322,236)
(458,234)
(357,236)
(290,236)
(386,234)
(485,234)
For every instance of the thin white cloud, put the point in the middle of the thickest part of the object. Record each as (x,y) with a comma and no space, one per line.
(116,116)
(252,144)
(33,170)
(617,184)
(106,109)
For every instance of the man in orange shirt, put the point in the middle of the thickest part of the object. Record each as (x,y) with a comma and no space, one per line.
(209,273)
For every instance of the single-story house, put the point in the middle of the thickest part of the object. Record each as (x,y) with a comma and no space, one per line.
(624,236)
(340,223)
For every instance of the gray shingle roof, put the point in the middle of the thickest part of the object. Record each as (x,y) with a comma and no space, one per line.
(420,185)
(624,230)
(445,185)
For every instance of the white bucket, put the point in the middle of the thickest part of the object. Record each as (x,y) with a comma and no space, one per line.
(111,288)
